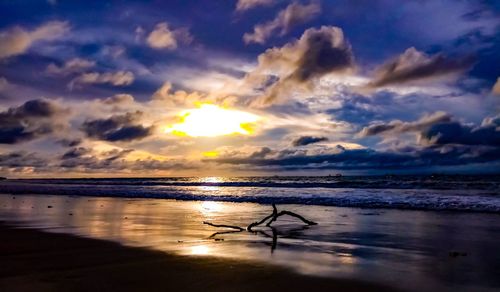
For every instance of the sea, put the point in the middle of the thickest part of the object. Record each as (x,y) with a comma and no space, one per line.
(463,193)
(414,233)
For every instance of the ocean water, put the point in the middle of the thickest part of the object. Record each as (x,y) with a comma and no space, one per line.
(430,192)
(416,233)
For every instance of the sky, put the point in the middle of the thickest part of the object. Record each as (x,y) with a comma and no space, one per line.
(248,87)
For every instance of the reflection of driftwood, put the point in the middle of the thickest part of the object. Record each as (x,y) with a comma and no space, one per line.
(224,232)
(274,235)
(272,217)
(224,226)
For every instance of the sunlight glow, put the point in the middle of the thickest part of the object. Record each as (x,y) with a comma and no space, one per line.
(210,154)
(200,250)
(210,120)
(212,179)
(210,206)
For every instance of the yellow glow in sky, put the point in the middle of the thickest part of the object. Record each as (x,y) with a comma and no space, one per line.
(210,120)
(210,154)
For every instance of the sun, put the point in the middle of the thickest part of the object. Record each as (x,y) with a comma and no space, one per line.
(209,120)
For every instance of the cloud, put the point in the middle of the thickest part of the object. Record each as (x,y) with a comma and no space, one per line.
(243,5)
(117,161)
(414,65)
(75,65)
(17,40)
(165,97)
(119,99)
(487,134)
(118,78)
(4,84)
(162,37)
(86,160)
(306,140)
(75,153)
(294,14)
(113,51)
(318,52)
(31,120)
(440,129)
(496,87)
(366,159)
(262,153)
(396,126)
(21,159)
(69,142)
(117,128)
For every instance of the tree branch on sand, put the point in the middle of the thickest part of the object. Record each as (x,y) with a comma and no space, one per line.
(272,218)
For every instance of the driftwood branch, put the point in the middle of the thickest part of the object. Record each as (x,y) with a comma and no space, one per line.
(269,219)
(308,222)
(275,215)
(249,228)
(272,217)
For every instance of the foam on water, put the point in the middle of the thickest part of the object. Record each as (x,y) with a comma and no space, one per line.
(450,193)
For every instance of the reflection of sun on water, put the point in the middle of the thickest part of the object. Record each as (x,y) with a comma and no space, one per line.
(200,250)
(212,179)
(210,120)
(210,206)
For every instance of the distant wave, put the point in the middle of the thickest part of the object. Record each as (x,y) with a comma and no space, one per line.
(459,182)
(485,199)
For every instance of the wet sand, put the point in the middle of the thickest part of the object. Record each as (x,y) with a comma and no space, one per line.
(32,260)
(407,250)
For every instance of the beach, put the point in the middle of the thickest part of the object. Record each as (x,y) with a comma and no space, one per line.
(60,262)
(56,242)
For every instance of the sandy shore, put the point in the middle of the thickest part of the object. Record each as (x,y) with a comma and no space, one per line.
(164,242)
(33,260)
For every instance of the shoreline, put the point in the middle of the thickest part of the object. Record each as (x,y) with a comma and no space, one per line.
(34,260)
(403,249)
(419,199)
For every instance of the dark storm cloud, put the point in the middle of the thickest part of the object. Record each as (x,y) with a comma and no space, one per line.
(488,134)
(84,158)
(69,142)
(117,128)
(413,65)
(19,159)
(75,153)
(262,153)
(397,126)
(28,121)
(306,140)
(368,159)
(316,53)
(325,51)
(81,159)
(441,129)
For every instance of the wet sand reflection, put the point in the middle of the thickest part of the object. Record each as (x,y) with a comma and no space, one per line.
(350,243)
